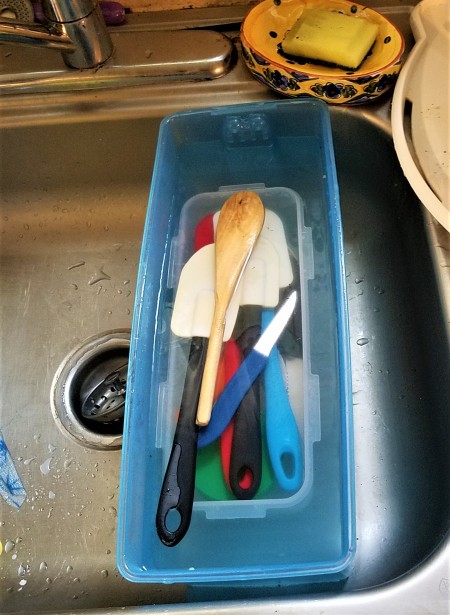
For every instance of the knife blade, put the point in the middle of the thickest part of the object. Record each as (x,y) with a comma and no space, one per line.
(250,368)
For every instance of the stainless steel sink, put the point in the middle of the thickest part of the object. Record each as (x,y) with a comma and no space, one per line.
(75,176)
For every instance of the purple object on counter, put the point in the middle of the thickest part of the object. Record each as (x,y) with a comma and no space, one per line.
(113,12)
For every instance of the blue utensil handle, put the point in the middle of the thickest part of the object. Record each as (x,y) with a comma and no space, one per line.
(232,395)
(283,438)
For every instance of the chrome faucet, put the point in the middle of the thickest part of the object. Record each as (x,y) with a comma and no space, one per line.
(76,28)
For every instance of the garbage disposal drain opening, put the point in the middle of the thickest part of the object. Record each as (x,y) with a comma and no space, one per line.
(88,391)
(89,378)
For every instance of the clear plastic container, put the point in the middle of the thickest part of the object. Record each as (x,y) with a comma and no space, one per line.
(303,386)
(281,150)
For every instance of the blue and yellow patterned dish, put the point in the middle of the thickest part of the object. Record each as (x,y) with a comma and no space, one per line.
(263,31)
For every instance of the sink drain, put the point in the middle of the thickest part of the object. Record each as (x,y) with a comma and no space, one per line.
(88,390)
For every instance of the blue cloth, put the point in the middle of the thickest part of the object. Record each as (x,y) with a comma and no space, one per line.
(11,487)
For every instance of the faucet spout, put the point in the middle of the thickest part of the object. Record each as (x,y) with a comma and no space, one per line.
(44,36)
(76,28)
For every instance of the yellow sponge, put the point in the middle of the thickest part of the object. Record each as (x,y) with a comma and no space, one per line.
(332,37)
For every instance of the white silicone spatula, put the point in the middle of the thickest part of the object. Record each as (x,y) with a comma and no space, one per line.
(194,301)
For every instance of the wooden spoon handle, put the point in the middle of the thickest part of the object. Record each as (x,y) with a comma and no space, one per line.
(211,366)
(240,222)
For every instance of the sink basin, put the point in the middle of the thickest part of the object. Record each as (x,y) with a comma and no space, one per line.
(76,171)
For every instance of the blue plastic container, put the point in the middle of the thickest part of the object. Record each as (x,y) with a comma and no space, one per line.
(309,538)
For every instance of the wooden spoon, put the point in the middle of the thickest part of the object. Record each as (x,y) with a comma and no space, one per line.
(240,222)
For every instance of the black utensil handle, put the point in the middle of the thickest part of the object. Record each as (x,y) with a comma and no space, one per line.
(246,447)
(177,492)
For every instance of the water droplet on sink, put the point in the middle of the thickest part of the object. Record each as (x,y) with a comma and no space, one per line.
(22,582)
(98,277)
(362,341)
(359,280)
(104,573)
(21,570)
(28,461)
(45,467)
(75,265)
(43,567)
(69,569)
(9,546)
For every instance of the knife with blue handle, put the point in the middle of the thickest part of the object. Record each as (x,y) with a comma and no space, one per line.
(283,438)
(250,368)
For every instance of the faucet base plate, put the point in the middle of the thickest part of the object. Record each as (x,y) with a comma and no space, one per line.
(138,58)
